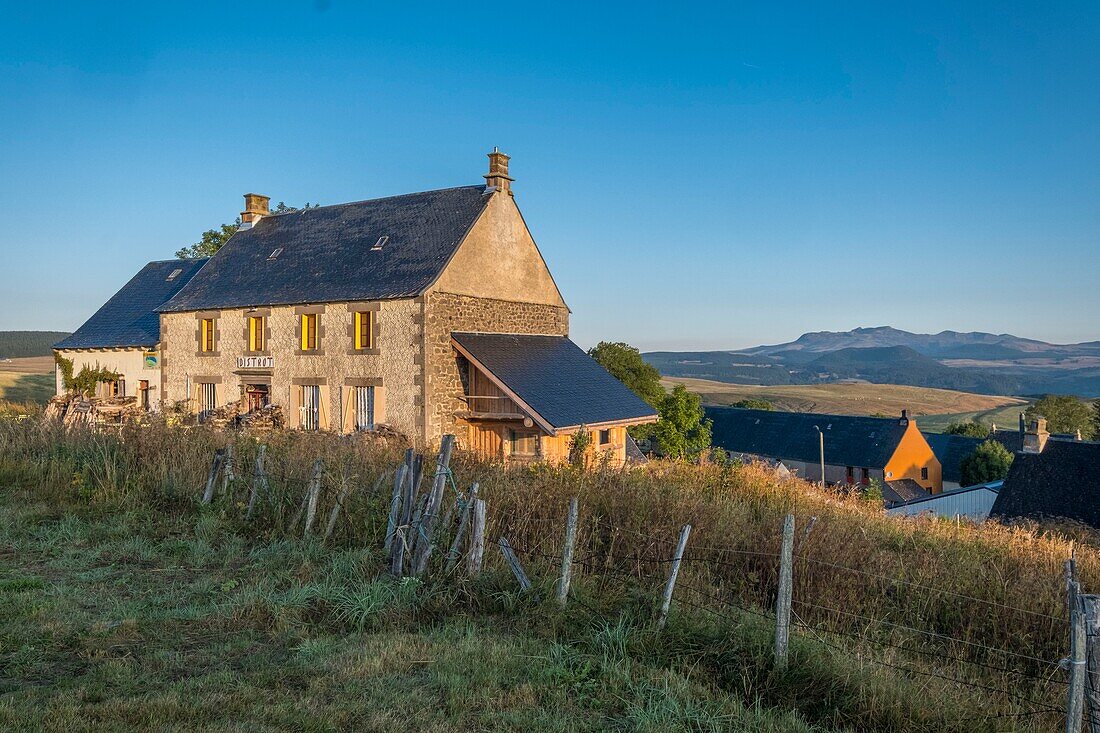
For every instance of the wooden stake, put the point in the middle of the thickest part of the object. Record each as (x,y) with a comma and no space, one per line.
(783,600)
(460,534)
(1091,607)
(427,530)
(395,506)
(399,544)
(212,477)
(314,495)
(259,478)
(477,538)
(567,552)
(513,562)
(674,571)
(1075,696)
(228,473)
(345,489)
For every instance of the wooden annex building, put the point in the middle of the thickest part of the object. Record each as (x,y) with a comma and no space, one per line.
(429,313)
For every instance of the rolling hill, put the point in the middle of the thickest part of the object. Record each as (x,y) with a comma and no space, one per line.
(993,364)
(17,344)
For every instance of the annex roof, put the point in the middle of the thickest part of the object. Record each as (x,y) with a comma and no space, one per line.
(130,318)
(369,250)
(901,491)
(1062,481)
(551,376)
(850,440)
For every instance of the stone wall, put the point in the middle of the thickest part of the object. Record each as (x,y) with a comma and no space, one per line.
(446,313)
(394,366)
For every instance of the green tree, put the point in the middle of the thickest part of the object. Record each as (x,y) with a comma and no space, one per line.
(214,239)
(753,404)
(627,365)
(969,428)
(682,430)
(1064,414)
(1096,419)
(990,461)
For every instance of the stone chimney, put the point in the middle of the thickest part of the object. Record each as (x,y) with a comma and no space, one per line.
(1023,425)
(498,177)
(255,208)
(1035,439)
(904,420)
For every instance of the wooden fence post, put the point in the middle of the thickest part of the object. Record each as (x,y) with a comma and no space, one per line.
(212,477)
(1091,606)
(229,475)
(460,534)
(477,538)
(1075,696)
(513,562)
(395,506)
(314,495)
(435,503)
(567,553)
(783,600)
(673,573)
(259,478)
(341,497)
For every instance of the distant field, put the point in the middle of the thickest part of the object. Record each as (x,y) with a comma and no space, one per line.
(856,398)
(30,379)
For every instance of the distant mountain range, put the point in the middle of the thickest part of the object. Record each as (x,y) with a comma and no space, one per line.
(974,362)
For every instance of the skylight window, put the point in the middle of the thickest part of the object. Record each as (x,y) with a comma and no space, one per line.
(278,251)
(175,273)
(380,243)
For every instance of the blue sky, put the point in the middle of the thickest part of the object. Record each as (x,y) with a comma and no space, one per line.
(697,176)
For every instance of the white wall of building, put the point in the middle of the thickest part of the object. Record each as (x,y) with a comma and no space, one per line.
(129,363)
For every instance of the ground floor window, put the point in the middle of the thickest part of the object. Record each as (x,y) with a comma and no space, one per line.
(208,399)
(363,401)
(523,443)
(865,476)
(310,409)
(257,396)
(605,437)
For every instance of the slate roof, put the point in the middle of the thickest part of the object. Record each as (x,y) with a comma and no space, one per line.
(328,252)
(562,384)
(1062,481)
(849,440)
(952,449)
(901,491)
(130,317)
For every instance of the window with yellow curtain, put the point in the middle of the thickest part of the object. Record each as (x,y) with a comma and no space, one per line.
(256,333)
(309,331)
(206,335)
(364,329)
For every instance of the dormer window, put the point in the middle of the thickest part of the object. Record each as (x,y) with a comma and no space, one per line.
(175,273)
(275,253)
(380,243)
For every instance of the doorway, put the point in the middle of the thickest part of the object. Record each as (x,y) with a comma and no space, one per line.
(257,396)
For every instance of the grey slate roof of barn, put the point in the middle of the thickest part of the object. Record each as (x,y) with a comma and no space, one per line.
(327,253)
(564,385)
(901,491)
(952,449)
(1062,481)
(849,440)
(130,317)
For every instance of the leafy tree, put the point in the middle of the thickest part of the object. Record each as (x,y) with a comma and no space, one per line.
(627,365)
(990,461)
(1064,414)
(682,430)
(872,493)
(213,239)
(969,428)
(754,404)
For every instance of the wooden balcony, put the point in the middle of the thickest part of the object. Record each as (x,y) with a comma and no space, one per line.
(490,407)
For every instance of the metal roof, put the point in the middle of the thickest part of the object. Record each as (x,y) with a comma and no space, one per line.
(563,385)
(369,250)
(130,318)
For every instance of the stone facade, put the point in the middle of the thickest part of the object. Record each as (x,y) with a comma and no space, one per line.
(446,313)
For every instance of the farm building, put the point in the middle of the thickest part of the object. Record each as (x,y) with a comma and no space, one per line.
(123,336)
(428,313)
(857,449)
(970,502)
(1052,479)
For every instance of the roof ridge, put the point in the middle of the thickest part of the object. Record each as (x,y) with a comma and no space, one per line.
(811,414)
(371,201)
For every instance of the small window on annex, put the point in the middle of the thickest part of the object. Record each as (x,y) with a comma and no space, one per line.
(605,437)
(523,443)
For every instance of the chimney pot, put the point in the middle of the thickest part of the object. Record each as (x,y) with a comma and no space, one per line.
(498,177)
(904,418)
(255,208)
(1035,439)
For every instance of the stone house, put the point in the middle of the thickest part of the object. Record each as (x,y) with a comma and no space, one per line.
(430,312)
(123,336)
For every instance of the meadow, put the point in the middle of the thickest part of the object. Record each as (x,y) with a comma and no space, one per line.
(128,606)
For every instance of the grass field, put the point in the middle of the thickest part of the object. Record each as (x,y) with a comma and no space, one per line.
(28,380)
(126,606)
(854,398)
